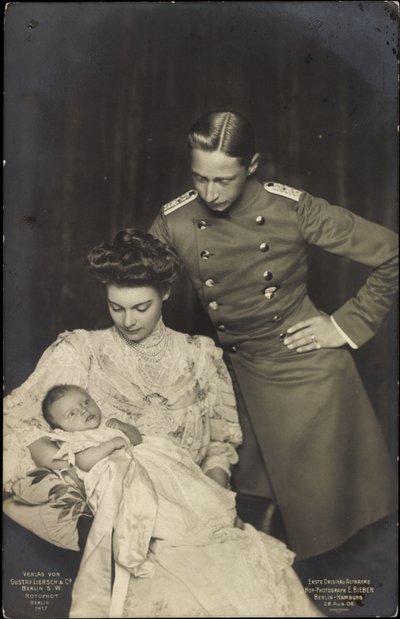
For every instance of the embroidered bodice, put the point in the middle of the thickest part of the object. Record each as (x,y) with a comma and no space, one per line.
(172,385)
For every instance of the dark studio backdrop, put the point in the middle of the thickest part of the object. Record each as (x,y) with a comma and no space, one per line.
(98,101)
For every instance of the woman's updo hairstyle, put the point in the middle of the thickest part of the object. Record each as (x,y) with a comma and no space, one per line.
(134,258)
(225,131)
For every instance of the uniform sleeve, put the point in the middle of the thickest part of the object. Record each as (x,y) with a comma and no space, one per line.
(65,361)
(160,229)
(339,231)
(225,431)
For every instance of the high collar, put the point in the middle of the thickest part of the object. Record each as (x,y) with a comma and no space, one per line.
(250,195)
(153,342)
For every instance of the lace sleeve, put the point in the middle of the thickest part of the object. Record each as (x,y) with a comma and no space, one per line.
(225,432)
(65,361)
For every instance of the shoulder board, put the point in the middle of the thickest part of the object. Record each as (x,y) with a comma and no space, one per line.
(181,201)
(283,190)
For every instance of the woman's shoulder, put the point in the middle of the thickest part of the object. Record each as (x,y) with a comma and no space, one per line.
(77,344)
(71,336)
(195,343)
(81,336)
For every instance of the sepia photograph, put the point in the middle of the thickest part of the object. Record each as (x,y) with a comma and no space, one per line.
(200,313)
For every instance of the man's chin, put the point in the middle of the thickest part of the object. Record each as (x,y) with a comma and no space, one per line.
(219,208)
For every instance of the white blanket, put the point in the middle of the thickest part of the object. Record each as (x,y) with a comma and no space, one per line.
(171,528)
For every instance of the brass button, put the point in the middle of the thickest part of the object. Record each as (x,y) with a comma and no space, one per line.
(213,305)
(221,328)
(205,254)
(202,225)
(209,283)
(264,247)
(270,291)
(277,318)
(260,220)
(267,276)
(233,349)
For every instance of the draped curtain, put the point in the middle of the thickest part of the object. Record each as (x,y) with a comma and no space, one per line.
(98,101)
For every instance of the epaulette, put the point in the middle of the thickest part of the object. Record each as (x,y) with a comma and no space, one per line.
(181,201)
(282,190)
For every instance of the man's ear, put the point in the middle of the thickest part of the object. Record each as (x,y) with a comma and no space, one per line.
(253,165)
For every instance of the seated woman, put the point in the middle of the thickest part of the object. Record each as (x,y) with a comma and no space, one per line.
(171,386)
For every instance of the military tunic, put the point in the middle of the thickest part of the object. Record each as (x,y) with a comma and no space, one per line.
(307,415)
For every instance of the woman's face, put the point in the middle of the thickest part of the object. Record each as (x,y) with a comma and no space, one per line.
(135,311)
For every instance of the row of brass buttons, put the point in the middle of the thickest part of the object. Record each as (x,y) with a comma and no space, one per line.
(276,318)
(210,283)
(205,254)
(264,247)
(203,224)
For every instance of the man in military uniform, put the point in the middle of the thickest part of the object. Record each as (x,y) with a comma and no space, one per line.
(312,442)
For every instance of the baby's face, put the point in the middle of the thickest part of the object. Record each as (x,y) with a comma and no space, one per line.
(75,411)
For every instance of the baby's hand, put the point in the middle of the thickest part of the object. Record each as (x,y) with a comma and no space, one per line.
(119,442)
(114,423)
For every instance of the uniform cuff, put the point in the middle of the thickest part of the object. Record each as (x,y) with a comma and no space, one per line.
(343,334)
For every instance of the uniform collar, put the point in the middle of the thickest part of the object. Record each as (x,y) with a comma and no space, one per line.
(250,195)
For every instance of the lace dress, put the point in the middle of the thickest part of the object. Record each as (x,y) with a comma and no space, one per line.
(176,387)
(172,385)
(177,552)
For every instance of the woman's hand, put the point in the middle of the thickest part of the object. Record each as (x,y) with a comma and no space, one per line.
(238,524)
(220,476)
(43,452)
(312,334)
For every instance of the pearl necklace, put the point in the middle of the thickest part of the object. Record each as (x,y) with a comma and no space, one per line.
(153,347)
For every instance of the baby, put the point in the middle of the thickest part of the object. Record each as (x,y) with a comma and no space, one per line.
(70,408)
(160,509)
(79,438)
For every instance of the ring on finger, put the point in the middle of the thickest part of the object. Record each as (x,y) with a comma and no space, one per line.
(313,339)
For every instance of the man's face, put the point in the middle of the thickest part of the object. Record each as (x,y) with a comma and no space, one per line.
(218,178)
(75,411)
